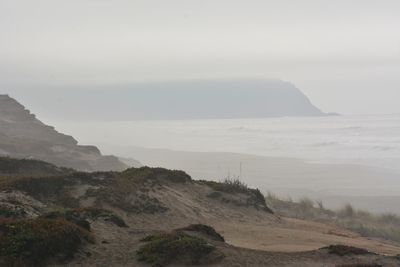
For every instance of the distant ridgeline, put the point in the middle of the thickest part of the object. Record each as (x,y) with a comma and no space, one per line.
(24,136)
(212,99)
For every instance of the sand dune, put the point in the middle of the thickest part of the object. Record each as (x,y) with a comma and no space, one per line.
(366,187)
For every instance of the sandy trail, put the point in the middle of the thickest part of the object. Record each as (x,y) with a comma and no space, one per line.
(296,236)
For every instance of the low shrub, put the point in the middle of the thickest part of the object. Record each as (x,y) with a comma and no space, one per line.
(160,174)
(342,250)
(166,248)
(214,195)
(34,241)
(43,188)
(29,167)
(129,190)
(205,230)
(227,185)
(80,217)
(9,212)
(235,186)
(360,265)
(128,201)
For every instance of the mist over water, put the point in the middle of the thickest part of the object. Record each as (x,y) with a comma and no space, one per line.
(366,140)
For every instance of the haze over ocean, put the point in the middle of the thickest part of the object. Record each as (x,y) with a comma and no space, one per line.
(368,140)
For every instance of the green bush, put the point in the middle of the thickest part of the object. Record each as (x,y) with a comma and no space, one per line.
(9,212)
(81,216)
(164,249)
(43,188)
(236,186)
(33,241)
(29,167)
(342,250)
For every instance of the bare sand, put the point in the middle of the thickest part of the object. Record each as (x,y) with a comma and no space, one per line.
(253,237)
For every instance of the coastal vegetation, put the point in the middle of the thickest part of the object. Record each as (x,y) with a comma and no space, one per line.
(386,225)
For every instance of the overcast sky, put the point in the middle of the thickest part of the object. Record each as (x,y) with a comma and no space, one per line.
(344,54)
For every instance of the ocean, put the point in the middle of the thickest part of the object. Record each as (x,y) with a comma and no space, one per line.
(372,140)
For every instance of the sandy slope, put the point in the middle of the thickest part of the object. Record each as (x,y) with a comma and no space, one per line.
(264,244)
(297,235)
(253,237)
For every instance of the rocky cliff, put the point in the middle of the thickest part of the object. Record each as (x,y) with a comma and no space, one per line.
(22,135)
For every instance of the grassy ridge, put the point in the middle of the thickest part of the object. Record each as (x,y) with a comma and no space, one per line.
(29,167)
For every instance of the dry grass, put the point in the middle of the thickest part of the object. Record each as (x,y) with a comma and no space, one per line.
(235,186)
(385,226)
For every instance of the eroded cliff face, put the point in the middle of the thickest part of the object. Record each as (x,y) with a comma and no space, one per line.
(22,135)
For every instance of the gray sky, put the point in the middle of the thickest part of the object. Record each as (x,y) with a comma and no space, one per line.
(344,54)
